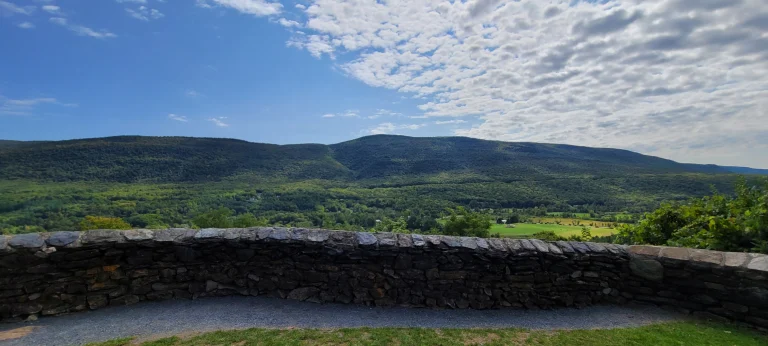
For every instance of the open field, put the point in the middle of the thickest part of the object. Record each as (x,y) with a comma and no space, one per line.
(573,222)
(586,216)
(678,333)
(559,214)
(527,229)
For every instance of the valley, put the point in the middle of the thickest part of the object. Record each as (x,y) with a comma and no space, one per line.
(157,182)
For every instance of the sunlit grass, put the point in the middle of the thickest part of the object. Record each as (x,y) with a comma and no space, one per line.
(678,333)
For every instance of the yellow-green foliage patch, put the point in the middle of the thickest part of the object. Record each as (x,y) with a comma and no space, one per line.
(528,229)
(575,222)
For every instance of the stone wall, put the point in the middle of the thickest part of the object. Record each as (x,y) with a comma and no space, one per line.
(57,273)
(724,286)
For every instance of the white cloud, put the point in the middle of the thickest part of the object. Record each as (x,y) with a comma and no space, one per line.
(132,1)
(53,9)
(202,4)
(26,25)
(384,112)
(9,9)
(288,23)
(180,118)
(257,8)
(446,122)
(144,13)
(82,30)
(219,121)
(350,113)
(684,79)
(317,45)
(10,106)
(385,128)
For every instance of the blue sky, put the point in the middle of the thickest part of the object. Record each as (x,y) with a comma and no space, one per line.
(682,79)
(195,63)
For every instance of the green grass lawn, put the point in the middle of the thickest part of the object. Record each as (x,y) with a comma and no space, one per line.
(678,333)
(527,229)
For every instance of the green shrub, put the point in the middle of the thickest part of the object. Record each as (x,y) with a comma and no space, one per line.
(716,222)
(463,222)
(100,222)
(218,218)
(547,235)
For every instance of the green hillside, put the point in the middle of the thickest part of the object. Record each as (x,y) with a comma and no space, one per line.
(168,181)
(181,159)
(164,159)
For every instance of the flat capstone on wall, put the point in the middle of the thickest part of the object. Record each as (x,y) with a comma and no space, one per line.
(45,274)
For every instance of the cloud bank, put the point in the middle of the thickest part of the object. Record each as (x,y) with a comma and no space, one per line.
(684,79)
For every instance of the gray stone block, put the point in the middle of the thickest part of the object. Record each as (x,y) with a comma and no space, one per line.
(318,236)
(418,240)
(595,247)
(468,243)
(63,238)
(735,259)
(759,262)
(540,245)
(404,241)
(280,234)
(648,269)
(386,239)
(209,234)
(138,235)
(176,235)
(29,240)
(565,246)
(497,244)
(366,239)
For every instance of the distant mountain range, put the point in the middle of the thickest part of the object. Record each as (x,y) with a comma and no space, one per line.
(746,170)
(371,158)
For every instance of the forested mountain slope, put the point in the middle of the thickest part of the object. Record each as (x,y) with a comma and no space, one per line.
(168,181)
(380,157)
(164,159)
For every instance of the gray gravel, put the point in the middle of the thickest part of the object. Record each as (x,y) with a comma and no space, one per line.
(158,319)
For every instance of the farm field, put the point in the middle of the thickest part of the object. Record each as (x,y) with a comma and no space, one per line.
(574,222)
(527,229)
(559,214)
(621,216)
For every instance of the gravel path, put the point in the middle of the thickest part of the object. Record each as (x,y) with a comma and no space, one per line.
(158,319)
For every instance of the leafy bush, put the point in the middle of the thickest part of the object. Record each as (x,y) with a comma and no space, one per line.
(248,220)
(218,218)
(100,222)
(547,235)
(222,218)
(463,222)
(716,222)
(399,225)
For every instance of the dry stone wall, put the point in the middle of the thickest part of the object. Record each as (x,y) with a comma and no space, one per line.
(64,272)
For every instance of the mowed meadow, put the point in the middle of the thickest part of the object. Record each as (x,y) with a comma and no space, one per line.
(563,227)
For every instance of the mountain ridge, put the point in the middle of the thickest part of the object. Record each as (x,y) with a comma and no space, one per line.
(182,159)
